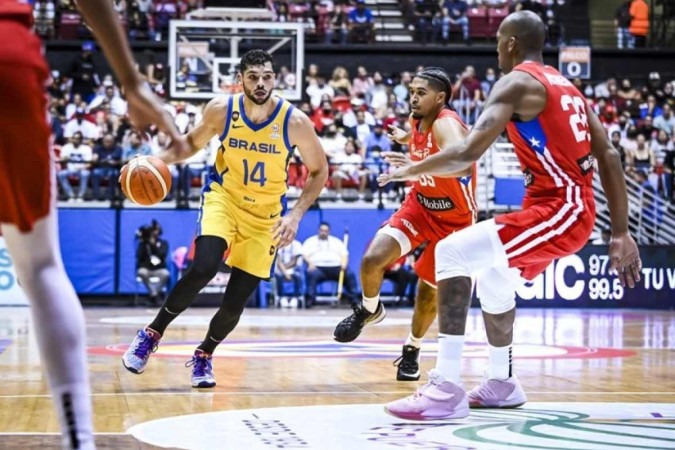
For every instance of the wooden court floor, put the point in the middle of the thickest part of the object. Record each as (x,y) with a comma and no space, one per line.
(279,358)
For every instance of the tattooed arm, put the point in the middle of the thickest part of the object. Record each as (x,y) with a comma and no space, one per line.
(516,93)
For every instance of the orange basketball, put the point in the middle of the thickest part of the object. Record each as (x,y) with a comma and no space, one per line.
(145,180)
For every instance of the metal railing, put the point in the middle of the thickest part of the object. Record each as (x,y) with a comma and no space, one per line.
(651,218)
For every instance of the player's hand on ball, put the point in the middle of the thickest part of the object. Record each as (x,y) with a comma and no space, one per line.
(624,257)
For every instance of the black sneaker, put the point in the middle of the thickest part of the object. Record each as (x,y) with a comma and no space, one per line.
(350,328)
(408,364)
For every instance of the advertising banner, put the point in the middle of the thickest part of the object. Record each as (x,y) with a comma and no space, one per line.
(584,281)
(10,291)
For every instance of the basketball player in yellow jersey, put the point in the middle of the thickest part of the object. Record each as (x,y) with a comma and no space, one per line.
(243,205)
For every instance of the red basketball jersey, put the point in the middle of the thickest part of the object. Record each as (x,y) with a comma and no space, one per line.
(442,197)
(18,44)
(554,148)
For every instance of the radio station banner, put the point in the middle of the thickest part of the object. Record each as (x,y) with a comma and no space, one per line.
(584,281)
(10,291)
(575,62)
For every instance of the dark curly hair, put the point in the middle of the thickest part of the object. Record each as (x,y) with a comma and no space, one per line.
(255,57)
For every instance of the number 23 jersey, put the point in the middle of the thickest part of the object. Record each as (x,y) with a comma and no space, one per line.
(252,161)
(554,148)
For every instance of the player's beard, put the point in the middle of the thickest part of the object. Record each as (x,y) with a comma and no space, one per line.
(417,116)
(251,96)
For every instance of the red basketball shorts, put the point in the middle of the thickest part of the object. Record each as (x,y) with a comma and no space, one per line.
(25,156)
(412,225)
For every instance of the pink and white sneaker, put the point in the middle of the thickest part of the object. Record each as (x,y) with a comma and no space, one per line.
(498,394)
(436,400)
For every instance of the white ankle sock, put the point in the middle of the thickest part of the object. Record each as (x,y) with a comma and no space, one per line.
(499,366)
(415,342)
(370,303)
(449,358)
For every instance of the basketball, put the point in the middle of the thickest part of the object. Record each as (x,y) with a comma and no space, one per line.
(145,180)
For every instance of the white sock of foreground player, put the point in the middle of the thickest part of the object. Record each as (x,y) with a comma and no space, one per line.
(449,359)
(59,326)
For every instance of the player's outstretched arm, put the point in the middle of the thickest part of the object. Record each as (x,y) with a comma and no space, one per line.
(213,119)
(301,134)
(623,251)
(144,107)
(505,98)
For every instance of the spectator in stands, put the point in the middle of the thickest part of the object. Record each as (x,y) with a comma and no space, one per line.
(377,95)
(323,116)
(617,141)
(312,74)
(83,72)
(647,127)
(665,121)
(669,169)
(622,23)
(661,145)
(193,169)
(426,11)
(135,147)
(316,91)
(326,256)
(151,255)
(80,123)
(468,95)
(165,11)
(639,22)
(332,141)
(340,83)
(650,108)
(281,9)
(654,87)
(289,268)
(44,14)
(348,166)
(361,23)
(401,90)
(362,82)
(107,162)
(669,94)
(642,157)
(285,79)
(110,103)
(338,23)
(76,157)
(362,130)
(454,14)
(627,92)
(377,141)
(489,81)
(402,274)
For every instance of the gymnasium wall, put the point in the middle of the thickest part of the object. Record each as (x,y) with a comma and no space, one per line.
(99,252)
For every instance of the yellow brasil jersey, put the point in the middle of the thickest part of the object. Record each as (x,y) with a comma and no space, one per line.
(251,166)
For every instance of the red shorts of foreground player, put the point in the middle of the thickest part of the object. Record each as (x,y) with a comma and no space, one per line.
(25,156)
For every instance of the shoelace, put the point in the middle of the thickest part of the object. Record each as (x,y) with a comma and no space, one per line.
(406,361)
(484,390)
(201,366)
(144,346)
(434,379)
(360,314)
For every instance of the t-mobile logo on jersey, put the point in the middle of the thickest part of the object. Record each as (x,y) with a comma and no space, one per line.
(435,204)
(409,226)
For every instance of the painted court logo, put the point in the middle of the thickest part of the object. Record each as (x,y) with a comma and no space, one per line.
(537,426)
(361,349)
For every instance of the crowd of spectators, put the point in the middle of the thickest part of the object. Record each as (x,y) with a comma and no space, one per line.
(351,115)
